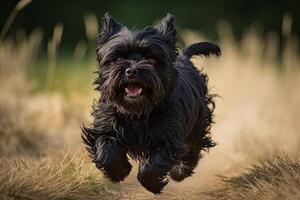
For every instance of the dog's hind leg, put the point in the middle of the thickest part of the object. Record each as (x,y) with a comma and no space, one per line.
(188,163)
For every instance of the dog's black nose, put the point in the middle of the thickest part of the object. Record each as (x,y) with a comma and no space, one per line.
(131,72)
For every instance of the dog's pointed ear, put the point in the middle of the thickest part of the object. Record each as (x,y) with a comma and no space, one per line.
(167,27)
(109,26)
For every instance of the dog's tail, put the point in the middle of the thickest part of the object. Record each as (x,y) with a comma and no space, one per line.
(201,48)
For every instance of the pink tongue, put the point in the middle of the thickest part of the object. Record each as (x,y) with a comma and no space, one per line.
(133,91)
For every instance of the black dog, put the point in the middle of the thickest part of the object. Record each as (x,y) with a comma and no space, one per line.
(154,104)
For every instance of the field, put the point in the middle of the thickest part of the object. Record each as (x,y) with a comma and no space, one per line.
(44,102)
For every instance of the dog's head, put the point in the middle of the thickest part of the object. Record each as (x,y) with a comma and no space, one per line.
(135,66)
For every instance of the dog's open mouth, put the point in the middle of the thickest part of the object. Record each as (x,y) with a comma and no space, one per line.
(133,90)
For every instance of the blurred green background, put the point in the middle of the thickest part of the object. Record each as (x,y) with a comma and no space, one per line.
(192,14)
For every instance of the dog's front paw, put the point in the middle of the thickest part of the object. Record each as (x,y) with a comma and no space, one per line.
(115,170)
(180,172)
(151,180)
(153,184)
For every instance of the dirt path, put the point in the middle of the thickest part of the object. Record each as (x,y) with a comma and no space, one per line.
(189,189)
(137,192)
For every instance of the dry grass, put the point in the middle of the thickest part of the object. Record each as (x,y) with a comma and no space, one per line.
(36,127)
(68,177)
(29,123)
(257,118)
(17,135)
(277,179)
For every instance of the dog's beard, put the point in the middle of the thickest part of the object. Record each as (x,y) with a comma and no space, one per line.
(137,95)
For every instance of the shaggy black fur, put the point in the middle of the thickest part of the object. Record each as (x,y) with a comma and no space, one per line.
(154,104)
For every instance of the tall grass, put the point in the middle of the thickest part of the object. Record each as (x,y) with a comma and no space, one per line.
(20,6)
(37,126)
(17,135)
(30,122)
(52,52)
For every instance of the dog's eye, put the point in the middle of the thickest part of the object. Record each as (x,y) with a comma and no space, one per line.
(119,60)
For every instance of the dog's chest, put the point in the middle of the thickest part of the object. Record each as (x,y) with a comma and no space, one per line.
(136,136)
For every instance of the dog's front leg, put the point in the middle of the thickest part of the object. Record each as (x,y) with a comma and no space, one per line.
(111,158)
(108,155)
(153,170)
